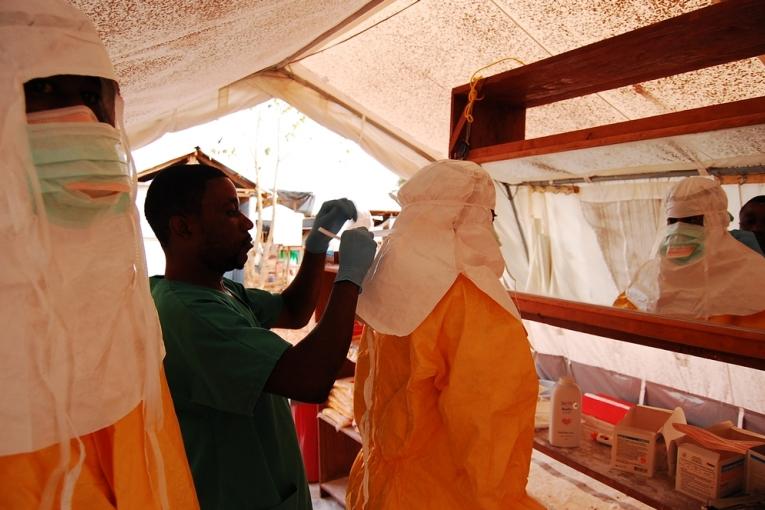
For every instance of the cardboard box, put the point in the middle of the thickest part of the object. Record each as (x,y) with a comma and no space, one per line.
(704,473)
(638,444)
(755,470)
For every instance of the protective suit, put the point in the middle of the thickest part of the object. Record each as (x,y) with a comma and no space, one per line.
(700,271)
(445,387)
(86,417)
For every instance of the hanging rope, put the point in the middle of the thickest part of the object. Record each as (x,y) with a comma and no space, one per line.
(460,147)
(474,80)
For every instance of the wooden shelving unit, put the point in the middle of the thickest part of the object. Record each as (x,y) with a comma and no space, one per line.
(593,459)
(337,451)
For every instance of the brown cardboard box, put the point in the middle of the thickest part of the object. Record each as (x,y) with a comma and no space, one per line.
(755,470)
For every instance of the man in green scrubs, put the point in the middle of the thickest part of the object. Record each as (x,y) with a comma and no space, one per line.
(229,375)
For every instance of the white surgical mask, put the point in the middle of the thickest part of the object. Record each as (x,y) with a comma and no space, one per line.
(83,171)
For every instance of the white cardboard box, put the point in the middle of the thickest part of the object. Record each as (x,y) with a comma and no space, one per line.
(704,474)
(638,446)
(755,470)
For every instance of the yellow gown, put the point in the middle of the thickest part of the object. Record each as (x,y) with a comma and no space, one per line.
(450,423)
(115,473)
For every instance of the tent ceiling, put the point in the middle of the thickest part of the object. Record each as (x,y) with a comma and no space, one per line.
(168,53)
(400,61)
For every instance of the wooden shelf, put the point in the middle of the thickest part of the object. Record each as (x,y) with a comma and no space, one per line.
(337,451)
(720,342)
(594,459)
(335,489)
(730,344)
(713,35)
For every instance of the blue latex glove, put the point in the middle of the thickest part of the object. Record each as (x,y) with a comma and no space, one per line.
(332,216)
(357,251)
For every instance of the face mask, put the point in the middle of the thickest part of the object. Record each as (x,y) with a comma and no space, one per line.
(82,169)
(683,243)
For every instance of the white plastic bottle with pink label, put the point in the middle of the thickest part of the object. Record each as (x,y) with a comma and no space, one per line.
(566,420)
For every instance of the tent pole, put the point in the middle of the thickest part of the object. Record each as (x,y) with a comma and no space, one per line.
(726,175)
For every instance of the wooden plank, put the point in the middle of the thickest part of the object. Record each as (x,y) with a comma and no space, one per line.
(730,344)
(724,32)
(335,489)
(594,459)
(748,178)
(740,346)
(499,122)
(352,433)
(337,451)
(735,114)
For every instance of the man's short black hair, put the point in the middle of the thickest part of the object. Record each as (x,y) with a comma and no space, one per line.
(759,199)
(174,191)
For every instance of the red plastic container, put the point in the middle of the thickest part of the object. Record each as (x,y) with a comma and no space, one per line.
(308,437)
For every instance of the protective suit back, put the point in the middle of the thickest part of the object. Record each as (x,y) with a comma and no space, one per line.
(445,386)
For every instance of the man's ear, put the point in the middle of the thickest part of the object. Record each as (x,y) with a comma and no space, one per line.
(180,227)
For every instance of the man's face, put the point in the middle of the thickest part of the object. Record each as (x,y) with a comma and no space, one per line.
(62,91)
(224,231)
(752,218)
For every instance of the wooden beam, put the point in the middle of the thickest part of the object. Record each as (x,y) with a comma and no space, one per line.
(708,118)
(747,178)
(729,344)
(720,33)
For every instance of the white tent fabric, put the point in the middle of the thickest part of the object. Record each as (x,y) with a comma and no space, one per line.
(389,66)
(740,386)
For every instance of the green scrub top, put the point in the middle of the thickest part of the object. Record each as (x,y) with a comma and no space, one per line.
(239,439)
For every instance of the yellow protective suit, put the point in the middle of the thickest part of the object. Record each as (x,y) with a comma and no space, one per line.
(114,474)
(85,413)
(451,420)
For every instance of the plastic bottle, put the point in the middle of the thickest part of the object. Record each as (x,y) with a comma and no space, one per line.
(566,420)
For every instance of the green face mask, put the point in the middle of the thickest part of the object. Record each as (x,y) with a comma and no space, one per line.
(82,169)
(683,243)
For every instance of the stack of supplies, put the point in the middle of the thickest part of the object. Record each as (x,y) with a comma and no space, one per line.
(339,408)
